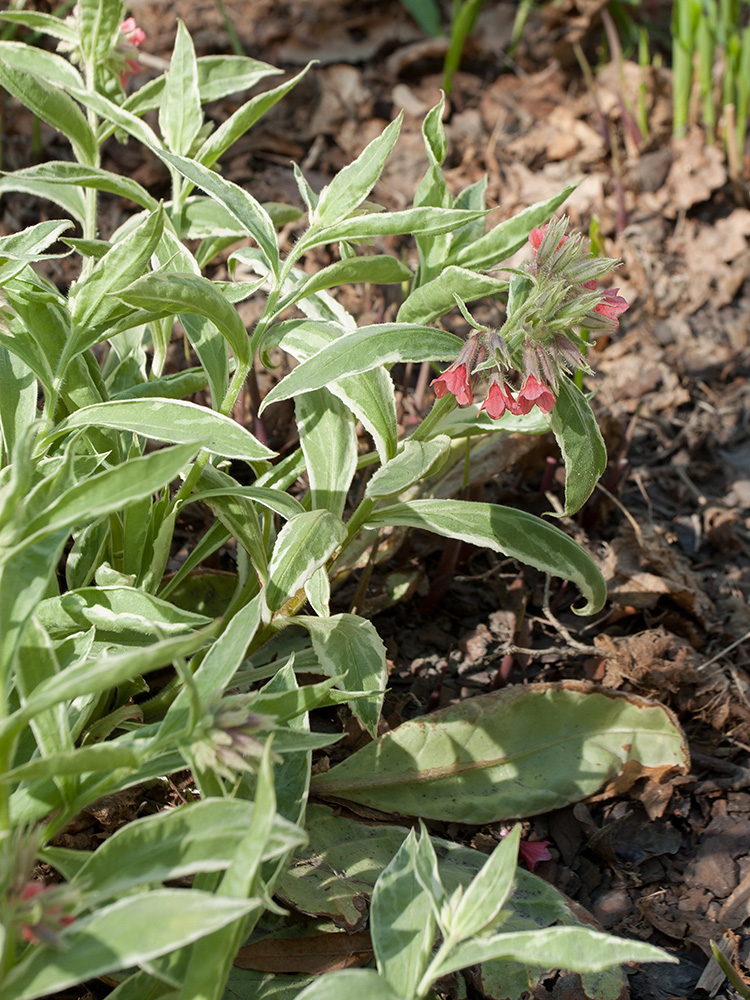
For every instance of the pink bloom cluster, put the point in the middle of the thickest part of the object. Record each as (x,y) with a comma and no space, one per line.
(540,340)
(132,37)
(43,920)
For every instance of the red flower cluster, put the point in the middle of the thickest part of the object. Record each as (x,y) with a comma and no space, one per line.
(539,337)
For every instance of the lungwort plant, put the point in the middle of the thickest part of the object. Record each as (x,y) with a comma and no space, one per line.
(114,674)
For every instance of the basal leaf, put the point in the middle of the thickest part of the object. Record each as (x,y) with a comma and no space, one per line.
(517,752)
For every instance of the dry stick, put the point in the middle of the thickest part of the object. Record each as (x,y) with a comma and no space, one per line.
(723,652)
(581,647)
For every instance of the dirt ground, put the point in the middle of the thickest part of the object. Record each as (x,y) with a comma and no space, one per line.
(671,525)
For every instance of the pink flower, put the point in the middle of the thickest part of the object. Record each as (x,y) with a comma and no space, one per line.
(456,380)
(612,305)
(537,235)
(533,852)
(498,400)
(43,920)
(131,39)
(534,393)
(135,35)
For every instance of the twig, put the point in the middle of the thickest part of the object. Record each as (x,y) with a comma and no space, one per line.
(727,649)
(562,630)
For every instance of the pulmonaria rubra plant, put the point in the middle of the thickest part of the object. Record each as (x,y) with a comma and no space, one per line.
(553,301)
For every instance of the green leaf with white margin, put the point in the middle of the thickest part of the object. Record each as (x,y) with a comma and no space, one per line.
(349,643)
(165,294)
(402,924)
(280,503)
(210,959)
(435,298)
(117,115)
(369,396)
(58,173)
(433,191)
(109,491)
(194,838)
(70,199)
(350,186)
(115,611)
(237,513)
(29,244)
(304,544)
(48,67)
(369,347)
(414,461)
(520,751)
(216,669)
(36,661)
(175,421)
(68,764)
(18,397)
(504,239)
(581,443)
(515,533)
(291,774)
(243,119)
(251,215)
(472,197)
(218,76)
(318,592)
(50,104)
(579,949)
(180,114)
(482,902)
(99,24)
(416,221)
(55,27)
(348,983)
(380,269)
(92,301)
(113,938)
(328,439)
(204,336)
(91,677)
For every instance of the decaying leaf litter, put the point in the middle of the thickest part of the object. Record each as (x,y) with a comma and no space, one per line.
(664,857)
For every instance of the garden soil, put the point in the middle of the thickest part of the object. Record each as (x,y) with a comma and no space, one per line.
(666,862)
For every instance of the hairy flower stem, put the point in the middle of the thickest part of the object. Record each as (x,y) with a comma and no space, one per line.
(439,411)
